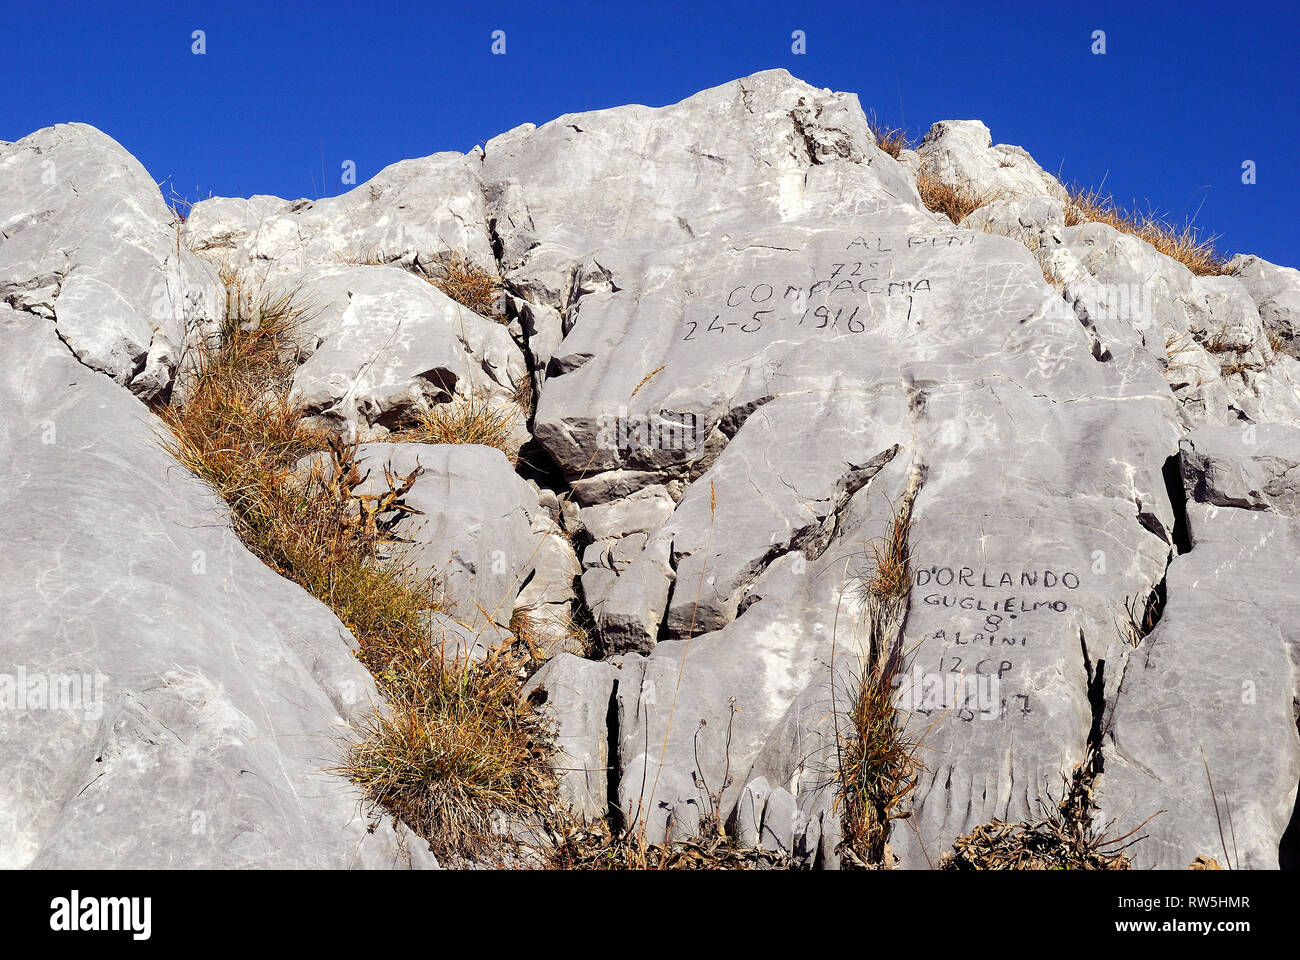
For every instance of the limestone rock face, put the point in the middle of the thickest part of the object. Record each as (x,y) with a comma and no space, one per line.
(753,351)
(572,200)
(788,381)
(1216,350)
(87,242)
(411,213)
(169,701)
(1276,292)
(961,152)
(1251,467)
(1201,714)
(473,532)
(575,695)
(382,344)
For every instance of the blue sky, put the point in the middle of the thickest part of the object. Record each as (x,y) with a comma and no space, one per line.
(1184,94)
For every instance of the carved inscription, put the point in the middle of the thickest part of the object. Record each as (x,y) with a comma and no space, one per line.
(840,298)
(997,616)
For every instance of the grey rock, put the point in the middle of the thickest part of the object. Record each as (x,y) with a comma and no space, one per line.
(1206,330)
(765,525)
(473,533)
(549,599)
(780,823)
(548,501)
(555,570)
(1038,222)
(575,694)
(626,549)
(599,554)
(213,695)
(411,213)
(962,152)
(609,486)
(747,820)
(1209,696)
(89,245)
(641,512)
(763,149)
(752,345)
(384,344)
(1251,467)
(631,612)
(767,817)
(1276,292)
(597,582)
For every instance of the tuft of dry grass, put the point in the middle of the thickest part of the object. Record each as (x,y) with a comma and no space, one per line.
(362,259)
(890,577)
(546,636)
(1065,837)
(468,284)
(599,847)
(1221,343)
(525,397)
(1183,244)
(475,419)
(1046,844)
(457,749)
(1139,621)
(1055,279)
(877,762)
(892,140)
(954,201)
(455,746)
(1178,345)
(239,428)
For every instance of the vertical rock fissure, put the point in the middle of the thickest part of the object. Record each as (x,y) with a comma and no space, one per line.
(1288,849)
(1095,686)
(1177,492)
(612,760)
(662,633)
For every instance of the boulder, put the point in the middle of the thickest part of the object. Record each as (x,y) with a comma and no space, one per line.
(87,243)
(412,212)
(574,695)
(1276,292)
(1250,467)
(382,345)
(961,152)
(472,529)
(169,701)
(1206,331)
